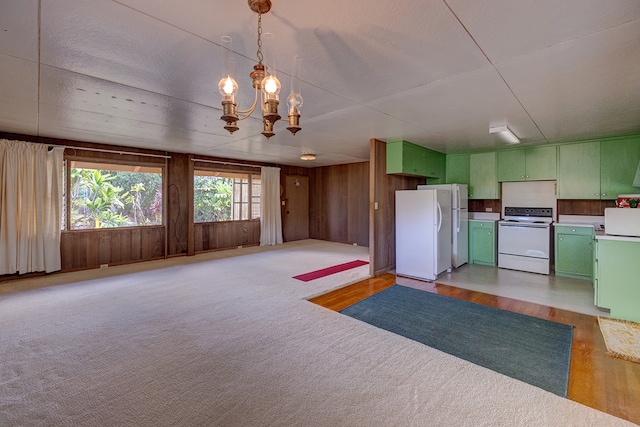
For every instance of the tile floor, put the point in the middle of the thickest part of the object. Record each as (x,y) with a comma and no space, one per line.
(553,291)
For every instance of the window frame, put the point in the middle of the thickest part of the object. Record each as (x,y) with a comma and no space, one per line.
(249,185)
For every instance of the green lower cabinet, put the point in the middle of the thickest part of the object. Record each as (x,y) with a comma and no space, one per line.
(617,270)
(482,242)
(574,251)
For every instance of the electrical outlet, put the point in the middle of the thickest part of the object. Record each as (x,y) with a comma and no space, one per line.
(104,265)
(488,209)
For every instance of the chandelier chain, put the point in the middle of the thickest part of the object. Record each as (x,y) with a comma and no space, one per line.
(259,53)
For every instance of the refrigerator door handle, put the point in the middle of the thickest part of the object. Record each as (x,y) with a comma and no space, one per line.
(459,220)
(439,217)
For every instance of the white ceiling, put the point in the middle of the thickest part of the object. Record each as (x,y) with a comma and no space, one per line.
(144,73)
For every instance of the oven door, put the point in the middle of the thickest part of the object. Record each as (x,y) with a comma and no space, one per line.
(531,240)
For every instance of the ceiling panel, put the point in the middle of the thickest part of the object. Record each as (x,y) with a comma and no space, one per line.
(582,88)
(507,28)
(19,29)
(456,113)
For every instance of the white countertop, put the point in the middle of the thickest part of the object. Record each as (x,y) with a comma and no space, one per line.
(484,216)
(573,224)
(620,238)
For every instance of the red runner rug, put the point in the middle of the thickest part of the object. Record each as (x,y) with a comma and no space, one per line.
(330,270)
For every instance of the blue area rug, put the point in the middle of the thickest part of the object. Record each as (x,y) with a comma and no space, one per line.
(532,350)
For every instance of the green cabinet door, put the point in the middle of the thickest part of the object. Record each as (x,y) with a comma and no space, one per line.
(457,169)
(482,242)
(618,270)
(574,251)
(405,158)
(434,165)
(618,164)
(579,171)
(483,176)
(511,165)
(541,163)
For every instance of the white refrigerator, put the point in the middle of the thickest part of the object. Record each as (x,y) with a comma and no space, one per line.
(423,233)
(459,218)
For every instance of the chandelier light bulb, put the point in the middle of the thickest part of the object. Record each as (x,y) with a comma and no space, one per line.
(295,101)
(228,87)
(271,85)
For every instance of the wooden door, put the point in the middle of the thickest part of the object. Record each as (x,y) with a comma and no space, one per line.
(296,208)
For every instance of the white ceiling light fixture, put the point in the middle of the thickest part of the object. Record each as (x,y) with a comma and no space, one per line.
(308,156)
(505,133)
(265,82)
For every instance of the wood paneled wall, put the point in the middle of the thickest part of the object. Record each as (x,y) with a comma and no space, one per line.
(83,249)
(339,203)
(382,247)
(179,208)
(229,234)
(584,207)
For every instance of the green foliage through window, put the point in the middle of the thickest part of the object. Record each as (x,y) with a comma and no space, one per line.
(107,196)
(225,196)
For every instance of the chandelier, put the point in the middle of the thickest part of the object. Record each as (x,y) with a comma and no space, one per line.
(265,82)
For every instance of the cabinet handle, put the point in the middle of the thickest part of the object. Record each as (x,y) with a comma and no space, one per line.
(521,176)
(603,194)
(597,194)
(489,233)
(527,176)
(574,230)
(561,238)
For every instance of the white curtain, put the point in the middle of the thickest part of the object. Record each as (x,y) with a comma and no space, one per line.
(270,215)
(30,207)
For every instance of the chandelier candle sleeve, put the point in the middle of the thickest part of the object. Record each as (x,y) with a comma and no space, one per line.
(227,86)
(294,100)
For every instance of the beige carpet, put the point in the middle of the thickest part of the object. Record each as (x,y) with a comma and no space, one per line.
(232,342)
(622,338)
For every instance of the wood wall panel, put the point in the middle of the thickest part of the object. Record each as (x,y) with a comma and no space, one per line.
(383,248)
(339,203)
(223,235)
(482,206)
(82,249)
(178,208)
(584,207)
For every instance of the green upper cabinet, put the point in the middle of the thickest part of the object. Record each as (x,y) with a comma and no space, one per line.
(541,163)
(511,165)
(579,171)
(598,169)
(483,176)
(618,164)
(457,169)
(405,158)
(527,164)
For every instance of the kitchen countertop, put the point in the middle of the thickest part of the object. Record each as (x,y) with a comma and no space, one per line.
(573,224)
(620,238)
(484,216)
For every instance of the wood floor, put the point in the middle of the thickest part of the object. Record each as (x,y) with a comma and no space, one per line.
(602,382)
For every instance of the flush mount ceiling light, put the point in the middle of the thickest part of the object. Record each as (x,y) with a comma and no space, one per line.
(265,82)
(307,156)
(505,133)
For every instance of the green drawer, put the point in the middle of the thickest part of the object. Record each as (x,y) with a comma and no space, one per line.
(566,229)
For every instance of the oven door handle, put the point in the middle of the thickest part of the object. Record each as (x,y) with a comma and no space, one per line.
(524,225)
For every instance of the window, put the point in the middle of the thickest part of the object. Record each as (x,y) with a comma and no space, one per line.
(225,196)
(104,195)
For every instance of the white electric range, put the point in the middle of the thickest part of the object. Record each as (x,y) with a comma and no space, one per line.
(524,239)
